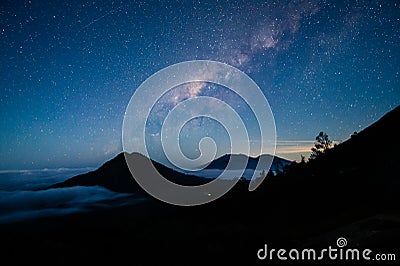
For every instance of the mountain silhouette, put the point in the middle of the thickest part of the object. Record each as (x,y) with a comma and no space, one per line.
(359,177)
(356,178)
(376,144)
(277,163)
(115,175)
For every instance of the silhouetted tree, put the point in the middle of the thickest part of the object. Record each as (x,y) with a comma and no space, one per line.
(322,144)
(302,159)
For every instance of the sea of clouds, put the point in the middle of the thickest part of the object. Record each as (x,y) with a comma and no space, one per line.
(23,195)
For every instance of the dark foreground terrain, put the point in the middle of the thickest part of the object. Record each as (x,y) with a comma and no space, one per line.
(351,191)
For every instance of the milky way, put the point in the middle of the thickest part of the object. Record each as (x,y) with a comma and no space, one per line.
(69,68)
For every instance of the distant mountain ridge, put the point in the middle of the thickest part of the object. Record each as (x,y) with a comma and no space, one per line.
(277,162)
(342,166)
(115,175)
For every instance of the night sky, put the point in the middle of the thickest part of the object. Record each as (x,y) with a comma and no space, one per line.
(69,68)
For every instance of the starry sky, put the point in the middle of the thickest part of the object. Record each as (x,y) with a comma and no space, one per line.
(69,68)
